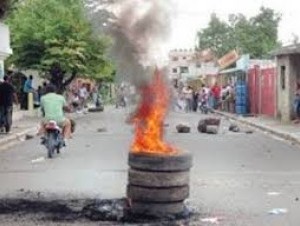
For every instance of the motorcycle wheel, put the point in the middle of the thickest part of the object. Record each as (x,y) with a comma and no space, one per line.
(50,145)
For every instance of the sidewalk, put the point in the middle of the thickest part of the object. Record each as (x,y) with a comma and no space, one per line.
(23,125)
(290,132)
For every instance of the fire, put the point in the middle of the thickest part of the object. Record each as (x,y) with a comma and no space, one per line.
(149,118)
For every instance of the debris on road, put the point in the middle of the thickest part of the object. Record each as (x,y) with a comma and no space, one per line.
(38,160)
(249,131)
(29,136)
(274,193)
(96,109)
(102,130)
(234,128)
(183,128)
(213,220)
(278,211)
(204,123)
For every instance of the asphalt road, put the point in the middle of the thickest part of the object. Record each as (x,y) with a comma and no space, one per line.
(237,178)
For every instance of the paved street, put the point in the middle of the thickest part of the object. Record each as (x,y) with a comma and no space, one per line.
(237,178)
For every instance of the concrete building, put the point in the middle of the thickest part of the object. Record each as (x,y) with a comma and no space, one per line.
(5,49)
(288,76)
(189,64)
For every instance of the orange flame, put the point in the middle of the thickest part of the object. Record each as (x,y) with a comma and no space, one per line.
(149,118)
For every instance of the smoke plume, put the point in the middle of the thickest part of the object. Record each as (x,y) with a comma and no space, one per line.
(138,29)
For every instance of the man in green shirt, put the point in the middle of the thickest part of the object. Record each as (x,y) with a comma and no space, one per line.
(53,106)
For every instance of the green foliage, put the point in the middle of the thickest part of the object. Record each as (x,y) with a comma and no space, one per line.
(257,35)
(56,31)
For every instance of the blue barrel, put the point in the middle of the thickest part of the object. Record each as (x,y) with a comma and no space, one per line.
(241,98)
(241,110)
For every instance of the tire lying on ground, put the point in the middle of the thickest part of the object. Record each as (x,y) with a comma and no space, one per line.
(96,109)
(204,123)
(181,128)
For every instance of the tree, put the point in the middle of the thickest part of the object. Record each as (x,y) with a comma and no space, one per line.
(257,35)
(56,38)
(216,36)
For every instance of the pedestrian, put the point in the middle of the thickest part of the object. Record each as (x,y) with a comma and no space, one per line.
(43,90)
(188,96)
(215,94)
(7,96)
(203,99)
(27,88)
(297,103)
(195,101)
(95,96)
(83,95)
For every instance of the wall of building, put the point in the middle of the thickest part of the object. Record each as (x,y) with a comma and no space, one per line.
(178,59)
(284,94)
(5,49)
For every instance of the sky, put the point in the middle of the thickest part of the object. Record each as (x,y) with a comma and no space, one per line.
(192,15)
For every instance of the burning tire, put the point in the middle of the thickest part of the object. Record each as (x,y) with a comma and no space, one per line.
(162,163)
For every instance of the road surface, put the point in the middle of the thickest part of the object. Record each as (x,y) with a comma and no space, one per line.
(237,178)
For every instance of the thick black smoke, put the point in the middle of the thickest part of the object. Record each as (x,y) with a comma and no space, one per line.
(138,28)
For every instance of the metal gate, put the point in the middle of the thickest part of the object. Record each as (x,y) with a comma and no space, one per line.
(262,91)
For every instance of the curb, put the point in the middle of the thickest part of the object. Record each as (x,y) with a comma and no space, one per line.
(280,134)
(12,139)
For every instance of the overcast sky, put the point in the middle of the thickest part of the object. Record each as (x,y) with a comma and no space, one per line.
(193,15)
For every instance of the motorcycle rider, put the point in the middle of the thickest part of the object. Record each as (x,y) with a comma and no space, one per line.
(7,95)
(53,106)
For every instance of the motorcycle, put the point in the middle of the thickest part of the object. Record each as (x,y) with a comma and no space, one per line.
(53,139)
(204,108)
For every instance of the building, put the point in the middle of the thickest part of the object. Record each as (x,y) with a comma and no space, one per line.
(5,49)
(189,64)
(180,63)
(288,77)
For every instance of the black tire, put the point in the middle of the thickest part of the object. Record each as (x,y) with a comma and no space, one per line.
(50,153)
(50,144)
(181,161)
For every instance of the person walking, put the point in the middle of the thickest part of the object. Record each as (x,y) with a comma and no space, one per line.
(216,94)
(188,96)
(7,96)
(27,88)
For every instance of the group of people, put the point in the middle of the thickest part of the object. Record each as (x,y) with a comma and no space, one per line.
(78,97)
(189,99)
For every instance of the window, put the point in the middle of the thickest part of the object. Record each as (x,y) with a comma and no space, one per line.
(174,58)
(174,70)
(184,70)
(184,58)
(282,77)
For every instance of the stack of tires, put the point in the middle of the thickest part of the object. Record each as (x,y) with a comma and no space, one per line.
(241,99)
